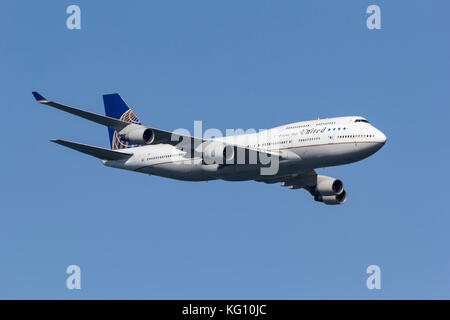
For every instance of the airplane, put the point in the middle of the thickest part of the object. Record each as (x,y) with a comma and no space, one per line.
(287,154)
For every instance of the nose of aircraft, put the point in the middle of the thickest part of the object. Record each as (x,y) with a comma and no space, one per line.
(380,138)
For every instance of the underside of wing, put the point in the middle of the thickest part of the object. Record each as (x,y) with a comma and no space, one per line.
(305,180)
(101,153)
(100,119)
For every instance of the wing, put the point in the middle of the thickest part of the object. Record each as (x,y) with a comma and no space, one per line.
(101,153)
(100,119)
(160,136)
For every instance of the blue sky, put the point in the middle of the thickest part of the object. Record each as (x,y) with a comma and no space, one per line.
(233,64)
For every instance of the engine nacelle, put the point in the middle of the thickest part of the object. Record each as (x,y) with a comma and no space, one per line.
(334,199)
(218,153)
(138,135)
(328,186)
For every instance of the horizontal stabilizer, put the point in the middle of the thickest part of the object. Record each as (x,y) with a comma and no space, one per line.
(101,153)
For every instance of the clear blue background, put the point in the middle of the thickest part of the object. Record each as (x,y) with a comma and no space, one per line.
(232,64)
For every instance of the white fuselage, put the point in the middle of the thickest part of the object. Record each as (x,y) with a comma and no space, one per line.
(305,145)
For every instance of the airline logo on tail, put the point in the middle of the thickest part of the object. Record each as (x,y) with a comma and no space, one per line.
(116,108)
(117,141)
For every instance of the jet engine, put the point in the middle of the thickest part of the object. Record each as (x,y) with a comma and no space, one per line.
(334,199)
(138,135)
(329,190)
(328,186)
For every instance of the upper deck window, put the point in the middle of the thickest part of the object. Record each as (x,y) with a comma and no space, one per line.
(362,120)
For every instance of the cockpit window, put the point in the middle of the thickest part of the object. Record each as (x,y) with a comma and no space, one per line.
(362,120)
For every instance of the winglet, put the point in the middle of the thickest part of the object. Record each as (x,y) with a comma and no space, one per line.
(38,97)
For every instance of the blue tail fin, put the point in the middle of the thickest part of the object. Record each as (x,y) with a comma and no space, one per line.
(116,108)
